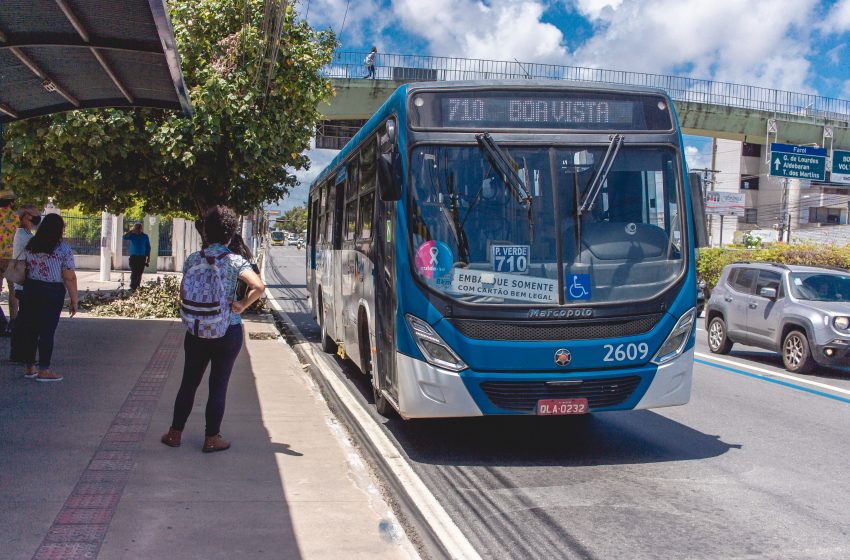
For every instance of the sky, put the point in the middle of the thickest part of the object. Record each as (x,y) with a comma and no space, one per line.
(795,45)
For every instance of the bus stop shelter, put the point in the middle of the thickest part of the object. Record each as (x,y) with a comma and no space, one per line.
(61,55)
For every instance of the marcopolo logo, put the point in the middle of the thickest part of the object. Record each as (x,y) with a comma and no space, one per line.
(560,313)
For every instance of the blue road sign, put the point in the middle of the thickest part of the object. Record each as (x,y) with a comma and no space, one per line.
(798,162)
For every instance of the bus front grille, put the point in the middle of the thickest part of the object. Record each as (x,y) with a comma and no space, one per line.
(522,396)
(555,330)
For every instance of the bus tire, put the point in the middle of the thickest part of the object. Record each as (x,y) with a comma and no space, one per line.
(328,344)
(382,404)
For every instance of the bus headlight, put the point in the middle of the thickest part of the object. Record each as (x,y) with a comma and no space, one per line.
(675,342)
(841,323)
(434,348)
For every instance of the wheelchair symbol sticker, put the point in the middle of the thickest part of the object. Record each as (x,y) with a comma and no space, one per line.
(578,287)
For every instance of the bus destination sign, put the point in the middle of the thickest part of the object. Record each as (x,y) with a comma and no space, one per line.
(549,110)
(525,111)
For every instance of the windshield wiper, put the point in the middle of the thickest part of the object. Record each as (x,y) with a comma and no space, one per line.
(601,174)
(502,164)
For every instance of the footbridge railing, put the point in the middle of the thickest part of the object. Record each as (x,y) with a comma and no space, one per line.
(401,67)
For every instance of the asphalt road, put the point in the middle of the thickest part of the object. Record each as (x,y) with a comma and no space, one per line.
(757,465)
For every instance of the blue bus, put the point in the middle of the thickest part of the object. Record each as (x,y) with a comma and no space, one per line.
(510,248)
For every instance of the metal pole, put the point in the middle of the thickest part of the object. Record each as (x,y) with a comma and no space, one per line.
(788,227)
(721,230)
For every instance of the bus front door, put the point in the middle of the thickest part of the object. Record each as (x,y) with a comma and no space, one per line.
(385,297)
(337,264)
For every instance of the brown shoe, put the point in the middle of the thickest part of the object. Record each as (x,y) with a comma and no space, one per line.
(172,438)
(47,376)
(215,443)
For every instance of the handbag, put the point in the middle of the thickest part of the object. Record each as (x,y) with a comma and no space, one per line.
(16,271)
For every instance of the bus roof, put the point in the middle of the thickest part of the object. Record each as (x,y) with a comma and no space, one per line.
(535,84)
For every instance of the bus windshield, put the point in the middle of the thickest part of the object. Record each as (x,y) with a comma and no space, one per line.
(277,236)
(475,240)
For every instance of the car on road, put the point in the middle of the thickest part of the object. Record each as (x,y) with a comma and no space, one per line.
(802,312)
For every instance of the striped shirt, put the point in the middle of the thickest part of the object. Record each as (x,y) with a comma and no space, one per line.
(234,266)
(48,267)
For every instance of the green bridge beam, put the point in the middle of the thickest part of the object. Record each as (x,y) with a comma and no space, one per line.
(359,99)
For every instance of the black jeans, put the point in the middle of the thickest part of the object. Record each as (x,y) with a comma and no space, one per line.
(137,266)
(43,302)
(221,353)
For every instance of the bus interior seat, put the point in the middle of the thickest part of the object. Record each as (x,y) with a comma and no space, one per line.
(620,261)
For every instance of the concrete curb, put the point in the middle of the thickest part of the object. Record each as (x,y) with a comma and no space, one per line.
(425,537)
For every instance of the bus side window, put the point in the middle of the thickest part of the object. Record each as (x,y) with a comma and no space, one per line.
(329,216)
(368,178)
(367,211)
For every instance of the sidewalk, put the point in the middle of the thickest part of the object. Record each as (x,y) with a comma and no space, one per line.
(83,474)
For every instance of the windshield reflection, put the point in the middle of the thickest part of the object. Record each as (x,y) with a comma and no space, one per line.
(820,286)
(475,240)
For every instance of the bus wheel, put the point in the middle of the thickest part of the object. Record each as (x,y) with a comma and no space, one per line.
(382,404)
(328,344)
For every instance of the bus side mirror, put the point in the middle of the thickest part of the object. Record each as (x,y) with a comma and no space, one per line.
(389,176)
(698,210)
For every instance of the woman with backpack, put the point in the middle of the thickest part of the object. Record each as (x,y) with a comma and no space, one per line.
(50,272)
(212,317)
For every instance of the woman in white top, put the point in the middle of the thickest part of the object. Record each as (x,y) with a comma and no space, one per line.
(50,271)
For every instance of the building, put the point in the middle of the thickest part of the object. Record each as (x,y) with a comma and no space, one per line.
(814,210)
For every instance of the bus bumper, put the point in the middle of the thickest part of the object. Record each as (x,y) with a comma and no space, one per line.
(671,385)
(426,391)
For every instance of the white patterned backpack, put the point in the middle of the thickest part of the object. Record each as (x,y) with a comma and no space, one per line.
(203,301)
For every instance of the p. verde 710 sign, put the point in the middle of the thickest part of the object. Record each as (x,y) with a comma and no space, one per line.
(798,162)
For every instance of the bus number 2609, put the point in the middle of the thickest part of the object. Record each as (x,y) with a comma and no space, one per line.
(623,352)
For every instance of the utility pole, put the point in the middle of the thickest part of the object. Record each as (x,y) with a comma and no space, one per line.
(785,224)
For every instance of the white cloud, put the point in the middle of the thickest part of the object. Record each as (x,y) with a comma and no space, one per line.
(363,21)
(594,8)
(763,43)
(497,30)
(838,19)
(697,159)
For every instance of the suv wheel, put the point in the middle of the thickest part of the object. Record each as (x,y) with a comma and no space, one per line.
(796,356)
(718,342)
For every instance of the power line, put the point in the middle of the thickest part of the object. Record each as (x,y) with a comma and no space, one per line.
(344,17)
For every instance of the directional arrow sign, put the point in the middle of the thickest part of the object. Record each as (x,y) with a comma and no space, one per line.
(798,162)
(840,167)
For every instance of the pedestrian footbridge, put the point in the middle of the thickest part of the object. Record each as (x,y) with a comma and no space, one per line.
(704,107)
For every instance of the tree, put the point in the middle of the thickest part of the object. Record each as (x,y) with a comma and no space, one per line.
(294,219)
(255,100)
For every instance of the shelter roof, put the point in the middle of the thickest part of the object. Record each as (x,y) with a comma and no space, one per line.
(60,55)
